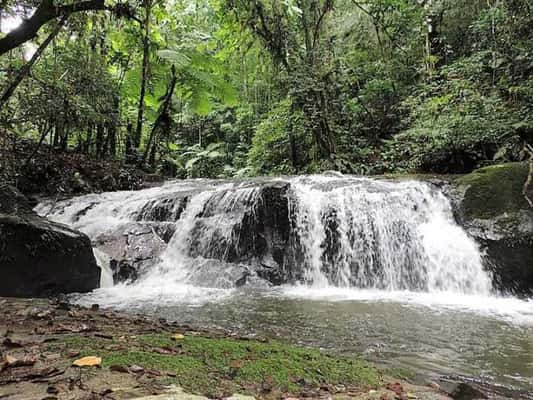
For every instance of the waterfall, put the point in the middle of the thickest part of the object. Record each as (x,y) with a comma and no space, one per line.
(321,231)
(207,238)
(378,234)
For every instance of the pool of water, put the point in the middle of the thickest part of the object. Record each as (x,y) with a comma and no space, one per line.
(488,339)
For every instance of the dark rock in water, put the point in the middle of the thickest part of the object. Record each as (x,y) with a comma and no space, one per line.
(495,212)
(263,235)
(167,209)
(40,258)
(462,391)
(123,271)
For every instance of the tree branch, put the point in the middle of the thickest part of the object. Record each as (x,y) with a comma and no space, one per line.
(25,70)
(48,11)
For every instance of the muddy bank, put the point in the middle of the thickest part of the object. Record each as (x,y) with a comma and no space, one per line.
(45,171)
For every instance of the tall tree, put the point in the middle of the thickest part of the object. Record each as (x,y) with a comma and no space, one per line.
(145,72)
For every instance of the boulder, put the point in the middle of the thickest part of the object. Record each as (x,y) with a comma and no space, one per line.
(40,258)
(493,209)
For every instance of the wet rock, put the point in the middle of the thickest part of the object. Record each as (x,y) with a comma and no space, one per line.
(257,248)
(168,208)
(119,368)
(136,369)
(492,208)
(39,258)
(123,271)
(462,391)
(135,247)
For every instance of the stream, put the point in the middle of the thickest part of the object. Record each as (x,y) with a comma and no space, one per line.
(351,265)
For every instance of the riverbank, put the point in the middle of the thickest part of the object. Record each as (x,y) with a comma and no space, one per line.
(44,171)
(137,356)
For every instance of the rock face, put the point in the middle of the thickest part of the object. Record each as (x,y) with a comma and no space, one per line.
(493,210)
(39,258)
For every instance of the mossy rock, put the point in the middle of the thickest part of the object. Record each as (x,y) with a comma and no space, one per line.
(496,213)
(495,190)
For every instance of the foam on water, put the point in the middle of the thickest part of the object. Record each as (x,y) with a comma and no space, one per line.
(509,309)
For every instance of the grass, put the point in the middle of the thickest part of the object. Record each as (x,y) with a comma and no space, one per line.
(221,366)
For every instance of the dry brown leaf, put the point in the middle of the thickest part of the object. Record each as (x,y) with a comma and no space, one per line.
(90,361)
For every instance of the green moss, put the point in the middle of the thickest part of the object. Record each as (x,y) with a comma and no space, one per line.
(221,366)
(494,190)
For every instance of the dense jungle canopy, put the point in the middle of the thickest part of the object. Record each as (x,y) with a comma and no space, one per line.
(223,88)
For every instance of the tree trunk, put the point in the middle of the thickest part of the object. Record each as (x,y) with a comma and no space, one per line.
(88,139)
(163,114)
(99,141)
(129,153)
(146,64)
(111,141)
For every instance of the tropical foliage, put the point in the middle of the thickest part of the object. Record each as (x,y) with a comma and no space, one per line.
(220,88)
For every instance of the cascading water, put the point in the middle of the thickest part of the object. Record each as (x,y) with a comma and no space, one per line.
(344,232)
(376,234)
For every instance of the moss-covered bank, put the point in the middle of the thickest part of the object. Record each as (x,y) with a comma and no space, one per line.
(218,367)
(40,340)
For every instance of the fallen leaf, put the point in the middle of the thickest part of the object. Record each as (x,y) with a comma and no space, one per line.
(411,396)
(10,359)
(105,392)
(12,362)
(177,336)
(90,361)
(52,390)
(44,374)
(237,364)
(51,356)
(12,343)
(73,353)
(164,350)
(153,372)
(103,335)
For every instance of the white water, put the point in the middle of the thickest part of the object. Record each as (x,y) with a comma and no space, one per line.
(394,241)
(388,235)
(106,275)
